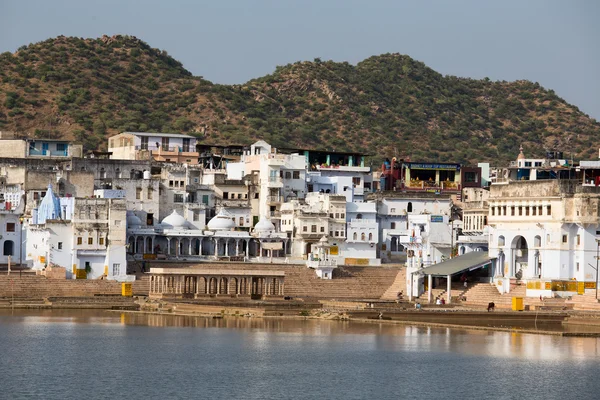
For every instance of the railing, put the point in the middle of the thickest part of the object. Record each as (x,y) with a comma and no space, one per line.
(274,199)
(424,185)
(275,214)
(275,179)
(161,148)
(49,153)
(321,263)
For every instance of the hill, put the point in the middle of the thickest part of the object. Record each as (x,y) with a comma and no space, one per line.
(88,89)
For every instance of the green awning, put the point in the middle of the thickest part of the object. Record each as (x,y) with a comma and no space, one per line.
(468,261)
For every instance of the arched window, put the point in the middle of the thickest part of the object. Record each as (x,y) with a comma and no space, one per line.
(500,241)
(102,173)
(370,237)
(138,193)
(118,173)
(132,174)
(362,237)
(409,207)
(537,241)
(358,216)
(8,248)
(354,236)
(150,193)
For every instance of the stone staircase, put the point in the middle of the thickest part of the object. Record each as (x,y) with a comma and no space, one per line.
(38,287)
(481,294)
(399,285)
(586,301)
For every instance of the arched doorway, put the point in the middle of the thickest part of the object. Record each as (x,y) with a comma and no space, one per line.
(394,244)
(520,255)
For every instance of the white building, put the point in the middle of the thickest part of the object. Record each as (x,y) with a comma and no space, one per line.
(167,147)
(362,235)
(84,236)
(544,226)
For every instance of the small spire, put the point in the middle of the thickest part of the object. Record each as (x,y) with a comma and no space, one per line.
(521,156)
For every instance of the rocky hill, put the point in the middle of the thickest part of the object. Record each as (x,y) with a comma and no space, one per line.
(388,105)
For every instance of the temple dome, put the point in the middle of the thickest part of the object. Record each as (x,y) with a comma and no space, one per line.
(221,222)
(49,207)
(174,221)
(133,221)
(264,225)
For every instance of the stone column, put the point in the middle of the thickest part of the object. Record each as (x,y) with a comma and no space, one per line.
(237,247)
(449,289)
(168,246)
(145,244)
(429,288)
(200,241)
(135,249)
(226,247)
(216,247)
(190,246)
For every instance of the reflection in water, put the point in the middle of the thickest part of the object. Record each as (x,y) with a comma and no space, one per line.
(68,354)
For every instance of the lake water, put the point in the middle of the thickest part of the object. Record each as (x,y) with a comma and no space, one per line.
(105,355)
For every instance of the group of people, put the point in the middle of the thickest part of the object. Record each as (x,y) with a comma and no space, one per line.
(440,301)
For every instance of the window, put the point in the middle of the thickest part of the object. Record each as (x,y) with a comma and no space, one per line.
(323,229)
(60,245)
(79,240)
(10,227)
(362,237)
(90,240)
(354,236)
(370,237)
(196,216)
(226,195)
(393,225)
(520,210)
(578,239)
(356,181)
(343,215)
(101,241)
(304,228)
(204,199)
(409,207)
(178,198)
(296,174)
(330,233)
(565,238)
(539,210)
(331,215)
(116,269)
(503,210)
(534,210)
(170,183)
(138,193)
(526,210)
(337,215)
(241,221)
(337,233)
(548,210)
(313,228)
(181,183)
(493,211)
(358,216)
(393,210)
(288,175)
(150,193)
(512,210)
(577,267)
(117,222)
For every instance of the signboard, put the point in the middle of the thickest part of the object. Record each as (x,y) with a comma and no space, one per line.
(149,256)
(434,166)
(437,218)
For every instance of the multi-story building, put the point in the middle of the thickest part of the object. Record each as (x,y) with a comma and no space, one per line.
(164,147)
(86,236)
(544,218)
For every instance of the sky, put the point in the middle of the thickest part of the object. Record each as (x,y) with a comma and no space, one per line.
(553,42)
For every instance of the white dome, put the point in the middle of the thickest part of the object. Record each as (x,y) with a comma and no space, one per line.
(133,221)
(174,221)
(264,225)
(221,222)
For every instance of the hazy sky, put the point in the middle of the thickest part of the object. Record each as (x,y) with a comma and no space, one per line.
(556,43)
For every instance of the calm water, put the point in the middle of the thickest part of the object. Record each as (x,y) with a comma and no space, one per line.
(102,355)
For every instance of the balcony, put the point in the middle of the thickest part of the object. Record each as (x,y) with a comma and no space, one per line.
(273,181)
(311,235)
(321,264)
(48,153)
(275,214)
(274,200)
